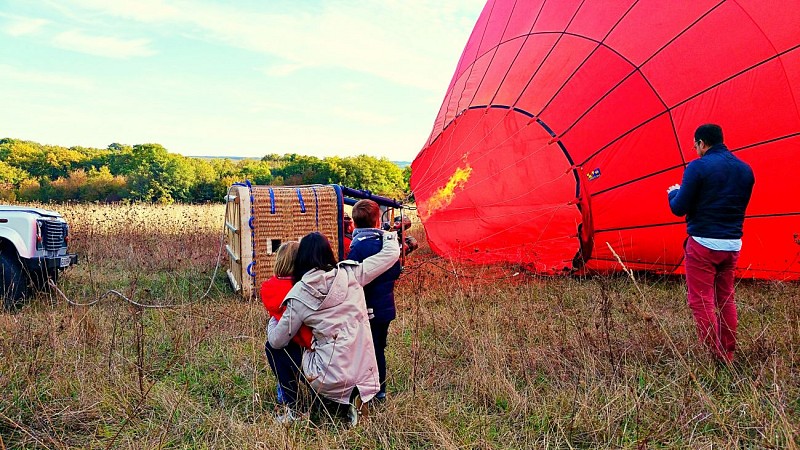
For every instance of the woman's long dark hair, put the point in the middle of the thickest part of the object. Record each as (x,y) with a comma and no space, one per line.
(314,253)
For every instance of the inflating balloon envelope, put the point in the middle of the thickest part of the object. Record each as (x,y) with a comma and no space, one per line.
(566,121)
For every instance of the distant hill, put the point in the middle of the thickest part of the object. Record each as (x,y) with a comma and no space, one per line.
(232,158)
(400,164)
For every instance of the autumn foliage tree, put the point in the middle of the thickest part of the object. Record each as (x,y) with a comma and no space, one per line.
(30,171)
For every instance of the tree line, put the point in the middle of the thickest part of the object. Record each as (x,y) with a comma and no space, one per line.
(30,171)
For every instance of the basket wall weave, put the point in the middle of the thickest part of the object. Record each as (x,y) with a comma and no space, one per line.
(283,216)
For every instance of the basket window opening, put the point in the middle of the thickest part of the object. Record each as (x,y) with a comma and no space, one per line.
(274,244)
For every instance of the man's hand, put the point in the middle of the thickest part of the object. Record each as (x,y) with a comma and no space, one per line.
(673,187)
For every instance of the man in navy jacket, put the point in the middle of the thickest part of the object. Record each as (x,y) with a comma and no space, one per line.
(379,293)
(713,196)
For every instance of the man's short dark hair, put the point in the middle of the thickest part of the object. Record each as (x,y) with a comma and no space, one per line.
(710,133)
(366,213)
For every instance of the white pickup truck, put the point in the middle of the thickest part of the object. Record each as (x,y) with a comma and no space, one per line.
(33,249)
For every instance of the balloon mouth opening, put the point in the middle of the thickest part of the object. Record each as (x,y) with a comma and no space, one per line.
(584,253)
(585,228)
(530,227)
(585,232)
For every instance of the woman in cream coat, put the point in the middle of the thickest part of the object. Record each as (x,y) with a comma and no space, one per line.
(329,298)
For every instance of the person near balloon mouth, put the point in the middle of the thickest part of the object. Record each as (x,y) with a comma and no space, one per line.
(347,233)
(713,195)
(328,297)
(379,294)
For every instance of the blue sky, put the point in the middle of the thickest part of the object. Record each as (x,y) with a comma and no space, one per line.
(235,78)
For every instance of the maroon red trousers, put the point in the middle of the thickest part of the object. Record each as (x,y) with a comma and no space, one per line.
(710,284)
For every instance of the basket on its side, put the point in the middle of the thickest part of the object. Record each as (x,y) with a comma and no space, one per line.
(260,218)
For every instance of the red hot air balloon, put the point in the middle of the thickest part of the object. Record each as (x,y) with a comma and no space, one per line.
(566,120)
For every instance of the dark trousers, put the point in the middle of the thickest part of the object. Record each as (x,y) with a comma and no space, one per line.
(285,364)
(380,333)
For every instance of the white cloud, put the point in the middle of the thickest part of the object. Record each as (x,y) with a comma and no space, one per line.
(21,26)
(282,70)
(141,10)
(17,75)
(351,86)
(262,106)
(106,46)
(365,118)
(405,44)
(411,42)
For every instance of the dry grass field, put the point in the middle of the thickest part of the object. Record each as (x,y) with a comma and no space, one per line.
(479,357)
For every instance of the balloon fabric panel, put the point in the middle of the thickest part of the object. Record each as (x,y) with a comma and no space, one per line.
(677,78)
(521,22)
(650,25)
(505,57)
(562,59)
(596,23)
(534,49)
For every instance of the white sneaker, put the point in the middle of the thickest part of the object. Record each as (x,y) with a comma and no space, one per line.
(352,415)
(356,409)
(288,416)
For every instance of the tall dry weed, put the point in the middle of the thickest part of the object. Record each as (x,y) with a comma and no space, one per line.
(479,357)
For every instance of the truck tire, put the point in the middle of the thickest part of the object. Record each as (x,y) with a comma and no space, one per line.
(14,288)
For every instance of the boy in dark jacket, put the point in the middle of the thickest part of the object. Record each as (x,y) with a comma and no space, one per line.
(379,293)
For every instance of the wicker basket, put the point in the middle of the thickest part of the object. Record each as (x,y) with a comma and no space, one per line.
(260,218)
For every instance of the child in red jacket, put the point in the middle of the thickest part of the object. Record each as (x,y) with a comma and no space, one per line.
(284,363)
(275,289)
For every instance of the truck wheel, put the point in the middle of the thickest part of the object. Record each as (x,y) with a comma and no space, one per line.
(14,288)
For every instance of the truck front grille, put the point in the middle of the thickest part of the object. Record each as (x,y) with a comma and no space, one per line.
(53,235)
